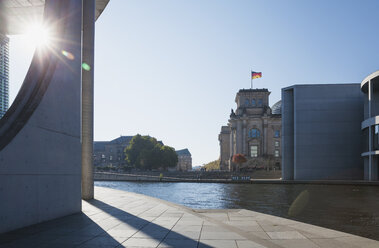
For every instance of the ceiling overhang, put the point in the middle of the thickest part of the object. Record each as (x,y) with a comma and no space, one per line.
(15,13)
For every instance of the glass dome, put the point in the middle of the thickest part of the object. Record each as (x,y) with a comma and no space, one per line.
(276,109)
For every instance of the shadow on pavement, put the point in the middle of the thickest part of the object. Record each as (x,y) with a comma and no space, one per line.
(76,230)
(150,229)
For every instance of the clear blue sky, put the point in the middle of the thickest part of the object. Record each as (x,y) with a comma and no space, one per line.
(171,69)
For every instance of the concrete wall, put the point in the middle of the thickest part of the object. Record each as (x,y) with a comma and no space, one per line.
(288,134)
(40,148)
(323,126)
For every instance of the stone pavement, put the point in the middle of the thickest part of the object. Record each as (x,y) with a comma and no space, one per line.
(122,219)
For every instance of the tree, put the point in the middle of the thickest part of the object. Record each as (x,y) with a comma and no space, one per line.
(169,157)
(214,165)
(146,153)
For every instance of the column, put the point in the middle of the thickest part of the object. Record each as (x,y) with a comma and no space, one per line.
(88,40)
(244,145)
(239,136)
(264,126)
(231,148)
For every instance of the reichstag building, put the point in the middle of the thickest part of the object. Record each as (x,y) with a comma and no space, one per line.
(254,129)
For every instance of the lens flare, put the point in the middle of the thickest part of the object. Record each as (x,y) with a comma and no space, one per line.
(86,67)
(68,55)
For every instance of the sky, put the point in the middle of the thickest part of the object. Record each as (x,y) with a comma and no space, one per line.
(171,68)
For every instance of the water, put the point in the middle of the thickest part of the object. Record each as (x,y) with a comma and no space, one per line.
(352,209)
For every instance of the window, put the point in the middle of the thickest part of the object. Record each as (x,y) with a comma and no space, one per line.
(254,151)
(276,143)
(375,142)
(276,153)
(260,102)
(253,103)
(254,133)
(110,158)
(247,102)
(277,134)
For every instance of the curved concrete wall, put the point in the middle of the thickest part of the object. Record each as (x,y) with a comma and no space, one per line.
(40,147)
(370,152)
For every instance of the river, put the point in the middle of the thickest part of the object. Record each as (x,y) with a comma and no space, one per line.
(347,208)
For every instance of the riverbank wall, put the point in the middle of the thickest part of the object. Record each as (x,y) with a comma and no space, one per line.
(108,176)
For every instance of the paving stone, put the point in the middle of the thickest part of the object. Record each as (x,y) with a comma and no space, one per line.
(312,231)
(286,235)
(121,233)
(214,229)
(296,243)
(194,228)
(141,242)
(275,228)
(220,235)
(260,234)
(248,244)
(183,234)
(218,243)
(151,235)
(182,243)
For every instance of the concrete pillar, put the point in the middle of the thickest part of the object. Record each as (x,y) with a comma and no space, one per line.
(88,40)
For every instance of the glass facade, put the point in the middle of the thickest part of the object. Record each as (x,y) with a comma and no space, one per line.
(4,74)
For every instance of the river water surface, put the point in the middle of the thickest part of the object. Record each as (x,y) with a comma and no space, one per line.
(352,209)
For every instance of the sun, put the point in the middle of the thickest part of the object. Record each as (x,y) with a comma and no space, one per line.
(38,35)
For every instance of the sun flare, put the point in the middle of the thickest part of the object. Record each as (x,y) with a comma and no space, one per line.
(38,35)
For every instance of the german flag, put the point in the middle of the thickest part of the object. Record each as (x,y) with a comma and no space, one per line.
(255,75)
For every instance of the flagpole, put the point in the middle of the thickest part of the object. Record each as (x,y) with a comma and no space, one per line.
(251,78)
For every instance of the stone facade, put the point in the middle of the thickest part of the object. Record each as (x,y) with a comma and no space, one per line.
(111,153)
(254,130)
(184,160)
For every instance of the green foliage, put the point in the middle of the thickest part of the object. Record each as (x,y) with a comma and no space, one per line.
(214,165)
(146,153)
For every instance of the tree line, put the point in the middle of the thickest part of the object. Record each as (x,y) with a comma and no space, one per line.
(146,153)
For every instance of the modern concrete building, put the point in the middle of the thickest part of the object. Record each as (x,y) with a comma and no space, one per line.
(321,127)
(254,130)
(4,74)
(50,120)
(370,126)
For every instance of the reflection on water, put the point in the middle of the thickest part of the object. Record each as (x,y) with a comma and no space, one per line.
(353,209)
